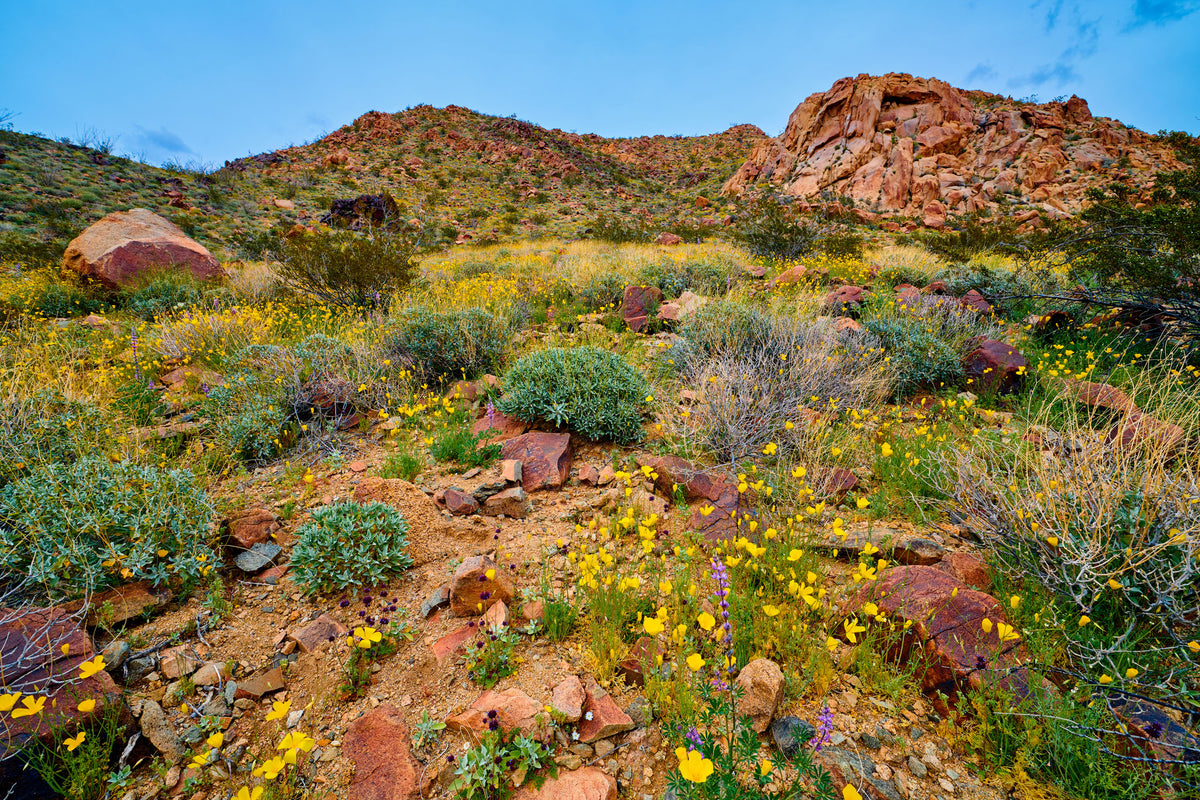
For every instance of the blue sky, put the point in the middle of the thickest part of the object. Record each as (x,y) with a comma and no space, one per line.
(210,81)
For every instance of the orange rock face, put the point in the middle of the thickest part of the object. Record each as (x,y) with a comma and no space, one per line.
(918,147)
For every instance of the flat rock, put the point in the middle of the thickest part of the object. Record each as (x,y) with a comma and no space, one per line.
(899,547)
(445,648)
(567,698)
(514,709)
(602,717)
(379,745)
(159,731)
(318,634)
(177,662)
(586,783)
(122,603)
(512,502)
(258,557)
(790,734)
(459,503)
(439,598)
(251,528)
(545,458)
(262,685)
(969,569)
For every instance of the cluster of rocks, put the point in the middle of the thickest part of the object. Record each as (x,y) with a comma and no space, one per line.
(899,145)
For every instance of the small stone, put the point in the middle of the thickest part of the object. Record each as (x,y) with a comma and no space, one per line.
(358,466)
(213,672)
(259,686)
(946,784)
(439,598)
(604,747)
(176,662)
(472,591)
(790,734)
(869,741)
(762,681)
(217,707)
(160,732)
(318,634)
(258,557)
(510,470)
(496,617)
(115,655)
(294,717)
(511,502)
(915,766)
(568,697)
(445,648)
(641,712)
(602,718)
(582,750)
(460,504)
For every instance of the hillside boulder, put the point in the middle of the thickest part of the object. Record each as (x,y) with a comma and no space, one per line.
(126,246)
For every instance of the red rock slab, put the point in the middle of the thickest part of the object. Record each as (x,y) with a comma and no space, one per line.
(996,366)
(947,633)
(514,710)
(545,458)
(970,570)
(459,503)
(642,659)
(318,634)
(639,303)
(1101,395)
(672,471)
(587,783)
(762,682)
(176,662)
(445,648)
(378,744)
(568,698)
(121,604)
(501,427)
(259,686)
(35,669)
(602,718)
(250,528)
(1137,431)
(472,592)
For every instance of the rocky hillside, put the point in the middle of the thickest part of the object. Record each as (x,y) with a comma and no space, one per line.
(904,146)
(482,177)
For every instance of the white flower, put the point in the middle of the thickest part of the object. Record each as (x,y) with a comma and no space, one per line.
(588,716)
(574,735)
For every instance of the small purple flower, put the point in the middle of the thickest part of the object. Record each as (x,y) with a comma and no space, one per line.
(824,729)
(693,739)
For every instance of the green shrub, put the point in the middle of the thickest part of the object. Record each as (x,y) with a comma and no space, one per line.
(589,390)
(448,345)
(926,345)
(75,528)
(559,617)
(348,269)
(721,327)
(673,277)
(248,414)
(601,290)
(43,429)
(619,229)
(56,299)
(350,545)
(491,657)
(769,229)
(402,463)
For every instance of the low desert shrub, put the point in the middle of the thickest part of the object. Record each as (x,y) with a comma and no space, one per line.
(162,293)
(81,527)
(401,463)
(248,413)
(349,269)
(1107,533)
(449,345)
(46,428)
(591,391)
(704,276)
(601,290)
(926,343)
(759,375)
(350,545)
(769,229)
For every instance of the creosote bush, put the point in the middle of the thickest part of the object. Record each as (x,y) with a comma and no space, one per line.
(81,527)
(347,269)
(351,545)
(591,391)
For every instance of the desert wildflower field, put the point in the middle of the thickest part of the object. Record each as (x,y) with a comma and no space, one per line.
(773,508)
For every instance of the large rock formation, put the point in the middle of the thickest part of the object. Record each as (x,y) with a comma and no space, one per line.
(901,145)
(125,246)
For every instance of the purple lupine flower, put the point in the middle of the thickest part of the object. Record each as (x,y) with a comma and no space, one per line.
(692,737)
(204,389)
(721,576)
(133,341)
(491,414)
(824,729)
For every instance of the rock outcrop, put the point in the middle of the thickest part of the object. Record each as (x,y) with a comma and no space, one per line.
(125,246)
(917,147)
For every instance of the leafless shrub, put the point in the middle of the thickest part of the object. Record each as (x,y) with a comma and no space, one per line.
(762,386)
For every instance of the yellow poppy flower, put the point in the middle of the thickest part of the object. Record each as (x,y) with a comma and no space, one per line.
(693,766)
